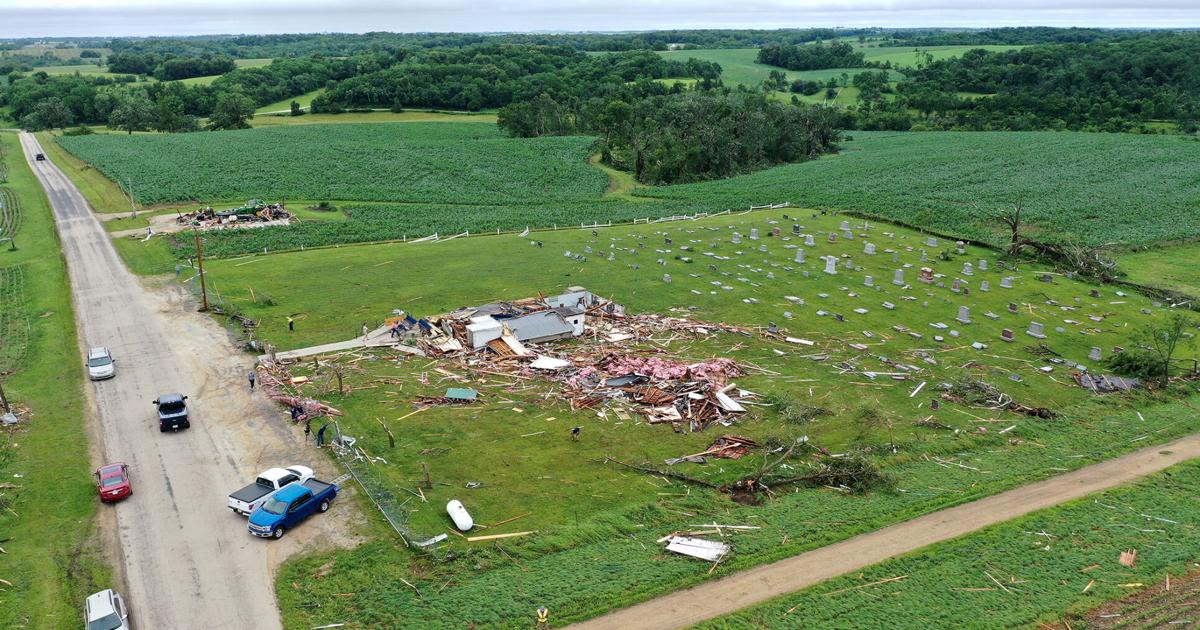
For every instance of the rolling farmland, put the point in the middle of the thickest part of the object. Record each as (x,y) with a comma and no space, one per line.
(430,163)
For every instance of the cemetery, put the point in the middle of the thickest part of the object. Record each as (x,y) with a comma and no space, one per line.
(839,340)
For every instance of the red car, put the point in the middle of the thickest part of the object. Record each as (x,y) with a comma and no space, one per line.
(112,482)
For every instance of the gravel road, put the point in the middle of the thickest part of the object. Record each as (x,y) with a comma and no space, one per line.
(186,560)
(688,607)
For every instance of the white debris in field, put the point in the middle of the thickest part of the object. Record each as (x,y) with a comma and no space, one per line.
(709,550)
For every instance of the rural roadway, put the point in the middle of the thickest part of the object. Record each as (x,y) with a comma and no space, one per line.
(688,607)
(183,559)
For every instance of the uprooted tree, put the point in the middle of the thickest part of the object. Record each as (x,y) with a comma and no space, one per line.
(1085,260)
(1160,342)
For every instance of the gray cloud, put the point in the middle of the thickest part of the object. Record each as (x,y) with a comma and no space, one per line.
(34,18)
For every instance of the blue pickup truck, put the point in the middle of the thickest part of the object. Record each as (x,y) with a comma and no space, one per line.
(289,506)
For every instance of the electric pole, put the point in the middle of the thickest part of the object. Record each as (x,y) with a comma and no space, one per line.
(200,263)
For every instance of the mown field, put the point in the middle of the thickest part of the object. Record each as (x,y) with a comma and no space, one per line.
(738,66)
(47,500)
(429,163)
(1057,561)
(1176,268)
(584,509)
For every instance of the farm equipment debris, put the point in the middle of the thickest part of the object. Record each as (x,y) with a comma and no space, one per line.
(256,213)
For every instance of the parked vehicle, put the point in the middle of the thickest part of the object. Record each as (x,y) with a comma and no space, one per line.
(172,412)
(286,508)
(100,364)
(112,482)
(40,157)
(246,500)
(106,611)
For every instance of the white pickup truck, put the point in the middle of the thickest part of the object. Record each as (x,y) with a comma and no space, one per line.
(248,499)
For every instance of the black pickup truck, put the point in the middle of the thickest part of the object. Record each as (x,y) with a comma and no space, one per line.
(172,412)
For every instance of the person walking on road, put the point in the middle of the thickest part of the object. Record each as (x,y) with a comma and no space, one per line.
(307,429)
(365,331)
(251,376)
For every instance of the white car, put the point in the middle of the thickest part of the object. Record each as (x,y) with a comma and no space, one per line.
(106,611)
(100,364)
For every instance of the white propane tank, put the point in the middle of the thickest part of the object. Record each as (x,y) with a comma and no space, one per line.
(458,514)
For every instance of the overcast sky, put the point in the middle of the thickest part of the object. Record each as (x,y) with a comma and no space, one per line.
(48,18)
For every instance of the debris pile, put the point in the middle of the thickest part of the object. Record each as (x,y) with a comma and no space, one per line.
(276,382)
(255,213)
(602,368)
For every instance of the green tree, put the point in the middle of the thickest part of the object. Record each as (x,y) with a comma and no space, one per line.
(170,117)
(231,111)
(134,112)
(1163,340)
(296,109)
(49,113)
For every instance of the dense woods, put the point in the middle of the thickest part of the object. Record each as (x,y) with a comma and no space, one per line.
(170,67)
(1103,86)
(812,57)
(494,76)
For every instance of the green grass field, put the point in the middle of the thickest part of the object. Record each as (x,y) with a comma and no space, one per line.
(585,510)
(410,116)
(46,528)
(905,56)
(241,63)
(286,104)
(90,70)
(1176,267)
(1052,562)
(431,163)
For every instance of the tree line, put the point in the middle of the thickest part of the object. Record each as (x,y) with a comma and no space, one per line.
(816,56)
(1103,86)
(684,136)
(170,67)
(499,74)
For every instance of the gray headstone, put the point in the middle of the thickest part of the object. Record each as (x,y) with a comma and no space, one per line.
(924,256)
(968,269)
(964,315)
(799,255)
(845,225)
(960,247)
(931,242)
(666,277)
(810,240)
(869,249)
(869,281)
(754,234)
(983,264)
(737,238)
(898,278)
(1036,330)
(984,286)
(1006,282)
(1094,355)
(831,265)
(956,286)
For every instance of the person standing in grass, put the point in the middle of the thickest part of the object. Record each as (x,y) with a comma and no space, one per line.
(291,324)
(365,331)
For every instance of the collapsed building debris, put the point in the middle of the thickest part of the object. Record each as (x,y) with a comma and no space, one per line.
(255,213)
(1105,384)
(726,446)
(601,369)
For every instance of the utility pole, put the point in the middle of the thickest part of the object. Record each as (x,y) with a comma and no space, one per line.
(4,400)
(200,263)
(132,204)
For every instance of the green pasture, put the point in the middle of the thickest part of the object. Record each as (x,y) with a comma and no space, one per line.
(1053,564)
(1174,267)
(51,562)
(285,105)
(905,56)
(516,440)
(408,116)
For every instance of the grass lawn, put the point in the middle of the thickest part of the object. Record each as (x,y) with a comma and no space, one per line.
(90,70)
(584,509)
(1174,267)
(49,561)
(905,56)
(1053,564)
(286,104)
(415,116)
